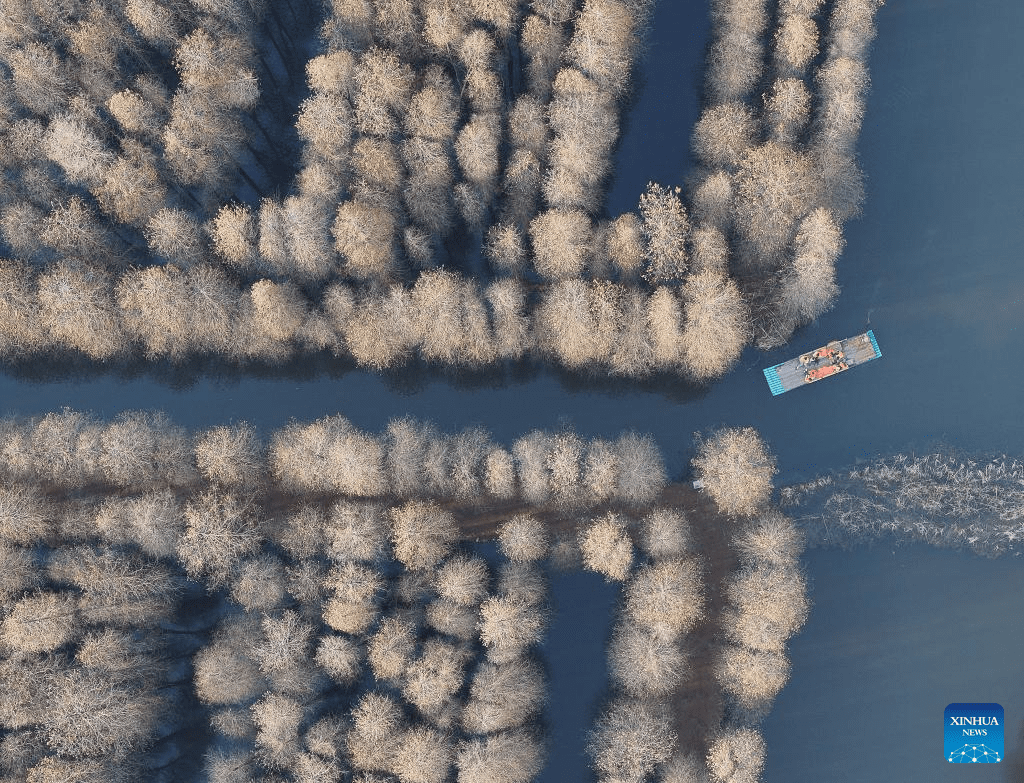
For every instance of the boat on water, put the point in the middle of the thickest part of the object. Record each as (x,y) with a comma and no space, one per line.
(831,359)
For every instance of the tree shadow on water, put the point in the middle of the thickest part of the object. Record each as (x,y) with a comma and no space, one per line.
(406,380)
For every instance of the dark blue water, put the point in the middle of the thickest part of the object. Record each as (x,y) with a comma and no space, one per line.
(934,266)
(894,636)
(574,652)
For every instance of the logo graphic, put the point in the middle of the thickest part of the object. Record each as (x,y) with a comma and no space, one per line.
(973,734)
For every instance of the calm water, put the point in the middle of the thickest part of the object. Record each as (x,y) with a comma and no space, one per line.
(894,636)
(933,266)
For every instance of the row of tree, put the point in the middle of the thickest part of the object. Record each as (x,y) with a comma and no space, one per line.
(141,450)
(663,598)
(780,175)
(697,330)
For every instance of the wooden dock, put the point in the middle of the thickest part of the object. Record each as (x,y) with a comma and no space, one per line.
(831,359)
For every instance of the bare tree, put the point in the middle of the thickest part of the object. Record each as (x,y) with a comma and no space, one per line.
(665,325)
(260,584)
(77,309)
(716,326)
(221,765)
(377,727)
(406,443)
(18,573)
(525,581)
(504,248)
(633,351)
(42,622)
(117,588)
(665,534)
(224,671)
(325,123)
(89,715)
(509,625)
(175,235)
(351,617)
(325,737)
(644,664)
(384,89)
(136,114)
(277,718)
(452,619)
(736,468)
(433,111)
(231,456)
(776,186)
(133,188)
(773,539)
(723,135)
(507,301)
(776,593)
(341,657)
(607,548)
(154,521)
(852,28)
(357,531)
(666,598)
(736,755)
(604,42)
(601,473)
(40,79)
(530,453)
(630,739)
(233,232)
(477,150)
(585,121)
(422,533)
(509,757)
(809,287)
(542,43)
(640,469)
(154,305)
(524,539)
(142,448)
(220,530)
(711,199)
(624,244)
(503,696)
(561,243)
(736,51)
(796,42)
(787,109)
(327,455)
(709,250)
(423,755)
(434,677)
(463,580)
(752,677)
(390,649)
(577,322)
(25,517)
(365,235)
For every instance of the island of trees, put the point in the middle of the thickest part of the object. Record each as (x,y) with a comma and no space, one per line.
(314,606)
(389,180)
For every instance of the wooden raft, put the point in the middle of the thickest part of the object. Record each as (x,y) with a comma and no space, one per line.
(824,362)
